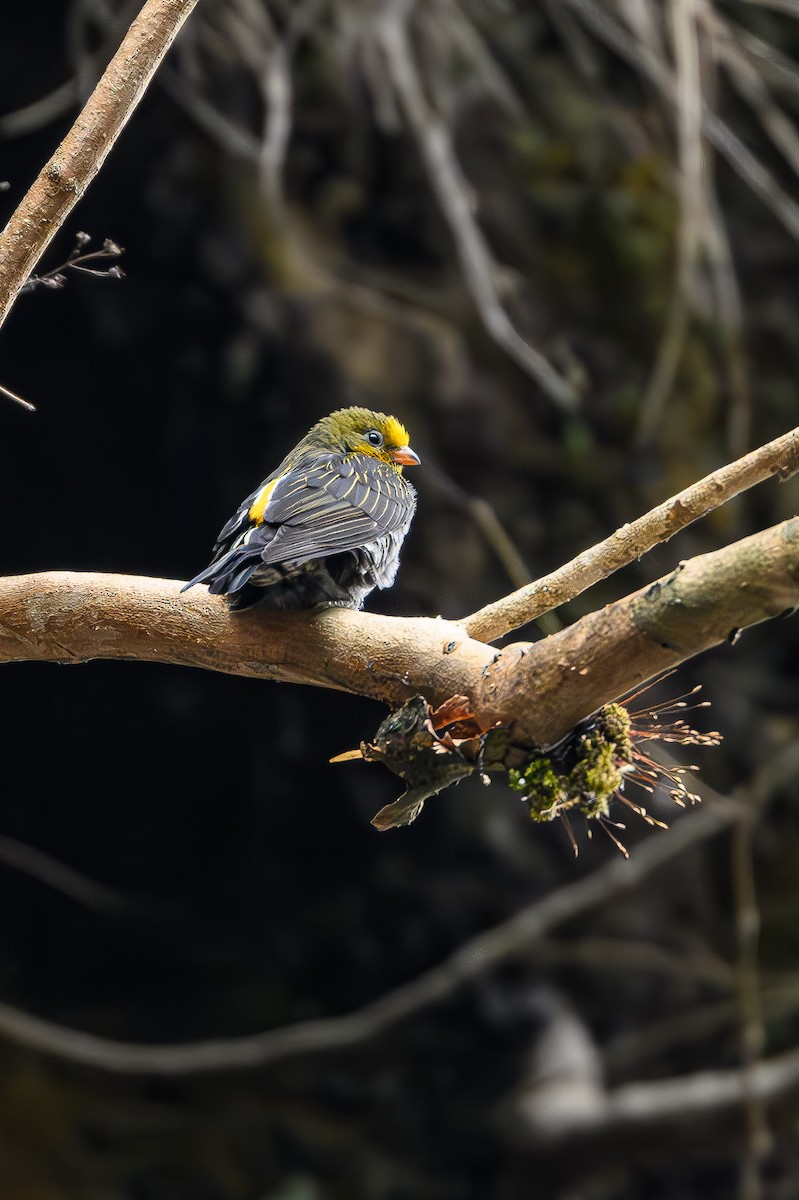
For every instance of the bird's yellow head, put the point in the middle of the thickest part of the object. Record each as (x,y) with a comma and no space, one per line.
(361,431)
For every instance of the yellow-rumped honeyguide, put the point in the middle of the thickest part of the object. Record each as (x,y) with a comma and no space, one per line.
(326,527)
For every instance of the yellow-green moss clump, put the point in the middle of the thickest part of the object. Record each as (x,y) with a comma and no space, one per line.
(584,771)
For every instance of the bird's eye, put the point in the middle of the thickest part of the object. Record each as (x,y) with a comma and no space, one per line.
(374,437)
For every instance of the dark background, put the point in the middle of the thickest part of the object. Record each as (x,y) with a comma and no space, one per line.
(249,890)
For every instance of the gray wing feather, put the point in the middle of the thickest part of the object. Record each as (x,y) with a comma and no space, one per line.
(323,509)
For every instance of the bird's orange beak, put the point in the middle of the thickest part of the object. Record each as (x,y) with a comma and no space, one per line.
(405,457)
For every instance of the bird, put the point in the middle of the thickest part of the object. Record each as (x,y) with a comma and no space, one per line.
(326,527)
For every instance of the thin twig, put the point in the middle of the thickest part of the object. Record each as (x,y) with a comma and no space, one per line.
(258,44)
(624,955)
(65,178)
(229,136)
(690,105)
(780,996)
(64,879)
(699,1114)
(689,231)
(456,201)
(757,1141)
(761,181)
(787,6)
(642,18)
(748,81)
(470,42)
(17,399)
(633,1048)
(485,518)
(667,360)
(86,21)
(79,259)
(729,304)
(750,85)
(780,457)
(776,67)
(40,112)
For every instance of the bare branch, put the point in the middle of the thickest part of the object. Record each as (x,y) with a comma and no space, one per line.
(700,1114)
(786,6)
(470,961)
(692,214)
(63,878)
(257,44)
(66,617)
(67,175)
(667,361)
(541,690)
(457,205)
(780,457)
(574,672)
(17,399)
(486,520)
(751,169)
(41,112)
(234,140)
(758,1140)
(751,86)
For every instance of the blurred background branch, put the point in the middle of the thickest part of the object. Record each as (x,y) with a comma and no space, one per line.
(456,211)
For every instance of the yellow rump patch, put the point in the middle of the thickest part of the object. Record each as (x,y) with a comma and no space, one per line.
(259,504)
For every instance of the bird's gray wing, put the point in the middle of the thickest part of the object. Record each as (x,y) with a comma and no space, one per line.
(323,508)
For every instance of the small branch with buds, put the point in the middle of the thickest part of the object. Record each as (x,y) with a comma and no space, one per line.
(83,260)
(79,259)
(63,180)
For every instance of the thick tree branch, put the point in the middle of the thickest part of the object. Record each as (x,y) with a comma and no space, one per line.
(702,603)
(67,617)
(542,689)
(780,457)
(64,179)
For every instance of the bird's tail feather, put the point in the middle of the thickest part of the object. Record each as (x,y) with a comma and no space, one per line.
(227,574)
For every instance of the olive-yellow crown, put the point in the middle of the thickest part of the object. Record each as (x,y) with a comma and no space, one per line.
(362,431)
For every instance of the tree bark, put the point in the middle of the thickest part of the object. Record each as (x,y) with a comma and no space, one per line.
(63,180)
(542,689)
(625,545)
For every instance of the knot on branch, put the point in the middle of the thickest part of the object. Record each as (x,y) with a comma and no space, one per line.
(431,749)
(583,773)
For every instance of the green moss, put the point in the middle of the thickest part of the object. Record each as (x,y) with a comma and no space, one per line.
(614,723)
(584,772)
(596,777)
(541,787)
